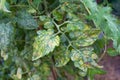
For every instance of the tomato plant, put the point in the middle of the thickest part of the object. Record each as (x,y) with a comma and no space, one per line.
(59,37)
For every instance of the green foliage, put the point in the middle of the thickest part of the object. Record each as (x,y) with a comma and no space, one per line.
(112,52)
(40,38)
(110,26)
(92,72)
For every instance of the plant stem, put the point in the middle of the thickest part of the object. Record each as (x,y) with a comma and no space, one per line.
(59,31)
(57,26)
(30,3)
(88,11)
(65,23)
(19,5)
(103,54)
(45,5)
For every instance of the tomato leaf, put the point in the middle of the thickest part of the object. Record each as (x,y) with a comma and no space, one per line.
(44,43)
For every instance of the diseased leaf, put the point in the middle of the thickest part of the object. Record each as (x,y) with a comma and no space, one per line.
(48,25)
(74,26)
(83,59)
(44,43)
(26,21)
(87,38)
(61,55)
(6,35)
(79,23)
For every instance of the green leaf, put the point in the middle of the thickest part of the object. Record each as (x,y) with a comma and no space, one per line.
(93,71)
(99,45)
(26,21)
(44,43)
(82,73)
(112,52)
(110,25)
(36,3)
(6,35)
(29,39)
(58,15)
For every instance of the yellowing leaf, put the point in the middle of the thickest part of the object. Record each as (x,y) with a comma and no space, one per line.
(82,58)
(61,55)
(19,73)
(87,38)
(44,43)
(3,6)
(94,56)
(4,55)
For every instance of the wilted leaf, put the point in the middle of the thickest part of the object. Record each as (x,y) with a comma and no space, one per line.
(44,43)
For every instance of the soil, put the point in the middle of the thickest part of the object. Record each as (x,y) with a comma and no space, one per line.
(111,66)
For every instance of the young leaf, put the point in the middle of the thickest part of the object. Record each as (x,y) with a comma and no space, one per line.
(44,43)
